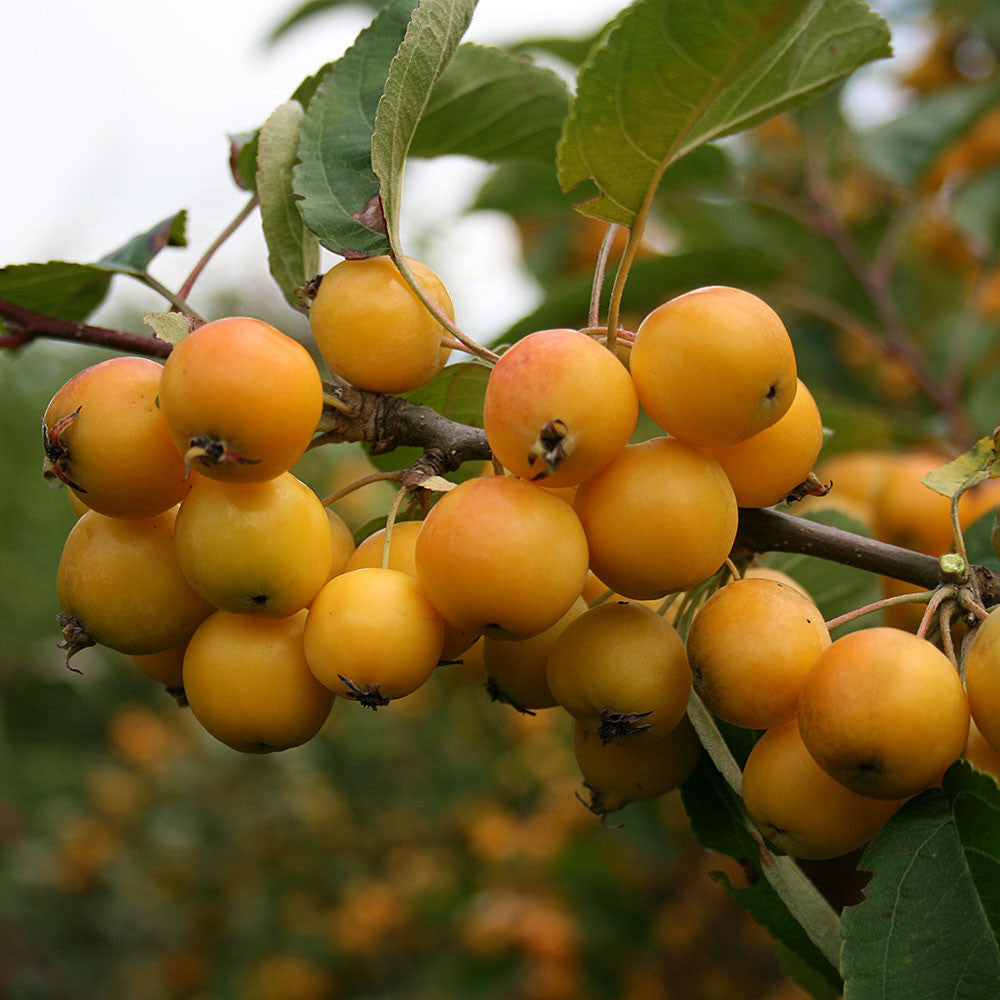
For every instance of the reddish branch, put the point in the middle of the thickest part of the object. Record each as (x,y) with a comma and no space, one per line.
(387,422)
(26,325)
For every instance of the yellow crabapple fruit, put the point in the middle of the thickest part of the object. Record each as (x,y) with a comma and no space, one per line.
(714,366)
(248,683)
(982,678)
(120,584)
(981,755)
(765,468)
(107,440)
(341,543)
(501,557)
(516,669)
(750,647)
(661,517)
(908,513)
(616,774)
(769,573)
(622,672)
(883,712)
(373,635)
(241,399)
(164,667)
(372,329)
(558,407)
(402,547)
(254,548)
(799,807)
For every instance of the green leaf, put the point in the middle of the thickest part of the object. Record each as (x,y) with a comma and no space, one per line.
(903,149)
(929,925)
(339,192)
(292,250)
(718,820)
(651,283)
(570,50)
(310,9)
(835,589)
(523,190)
(976,209)
(243,159)
(436,28)
(172,327)
(974,466)
(135,256)
(666,79)
(492,105)
(58,288)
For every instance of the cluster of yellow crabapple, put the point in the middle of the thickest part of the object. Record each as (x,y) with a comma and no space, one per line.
(199,553)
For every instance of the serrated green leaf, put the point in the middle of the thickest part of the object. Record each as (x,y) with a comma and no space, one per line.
(929,925)
(492,105)
(834,588)
(667,78)
(172,327)
(718,821)
(651,283)
(135,256)
(974,466)
(310,9)
(292,250)
(903,149)
(339,192)
(59,288)
(433,34)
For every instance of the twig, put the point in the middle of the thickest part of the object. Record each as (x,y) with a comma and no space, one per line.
(241,217)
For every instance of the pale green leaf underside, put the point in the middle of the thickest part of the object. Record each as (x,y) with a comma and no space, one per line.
(493,105)
(673,74)
(335,182)
(292,250)
(433,35)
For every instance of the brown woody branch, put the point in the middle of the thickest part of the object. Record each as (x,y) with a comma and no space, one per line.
(26,326)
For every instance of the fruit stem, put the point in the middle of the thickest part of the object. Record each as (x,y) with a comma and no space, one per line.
(390,523)
(601,598)
(956,527)
(946,642)
(468,344)
(939,595)
(177,301)
(886,602)
(594,316)
(374,477)
(241,217)
(734,570)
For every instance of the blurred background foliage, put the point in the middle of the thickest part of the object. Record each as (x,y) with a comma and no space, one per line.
(437,849)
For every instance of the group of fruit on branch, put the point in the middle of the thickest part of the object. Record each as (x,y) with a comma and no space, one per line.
(573,565)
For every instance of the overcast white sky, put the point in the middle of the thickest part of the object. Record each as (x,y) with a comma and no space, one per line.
(114,115)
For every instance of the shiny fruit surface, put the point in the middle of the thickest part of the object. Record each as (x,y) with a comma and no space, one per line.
(373,330)
(621,661)
(617,774)
(121,580)
(559,407)
(372,635)
(244,396)
(254,548)
(661,517)
(884,713)
(714,366)
(516,669)
(982,678)
(107,440)
(501,557)
(766,467)
(750,647)
(247,682)
(799,807)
